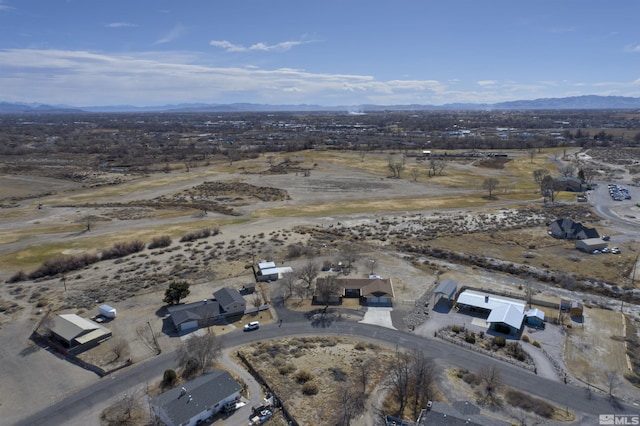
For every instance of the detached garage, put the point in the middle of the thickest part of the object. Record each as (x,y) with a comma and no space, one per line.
(590,244)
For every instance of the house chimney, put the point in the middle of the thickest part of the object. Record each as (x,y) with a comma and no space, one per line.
(486,299)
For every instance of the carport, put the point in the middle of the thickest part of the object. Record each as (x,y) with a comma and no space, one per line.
(446,288)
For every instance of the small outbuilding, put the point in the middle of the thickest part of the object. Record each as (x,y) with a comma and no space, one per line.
(534,317)
(576,310)
(107,311)
(590,244)
(446,288)
(267,271)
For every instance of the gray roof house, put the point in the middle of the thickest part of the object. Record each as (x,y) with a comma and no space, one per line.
(197,399)
(570,230)
(194,315)
(231,301)
(76,333)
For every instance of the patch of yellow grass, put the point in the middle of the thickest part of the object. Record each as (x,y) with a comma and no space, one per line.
(371,206)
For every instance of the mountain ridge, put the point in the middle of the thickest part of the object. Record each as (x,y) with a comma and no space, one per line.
(590,102)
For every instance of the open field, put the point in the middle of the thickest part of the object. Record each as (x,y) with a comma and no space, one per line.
(342,198)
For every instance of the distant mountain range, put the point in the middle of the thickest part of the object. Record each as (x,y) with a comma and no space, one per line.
(570,103)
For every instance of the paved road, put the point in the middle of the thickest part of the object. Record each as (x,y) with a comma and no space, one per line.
(445,355)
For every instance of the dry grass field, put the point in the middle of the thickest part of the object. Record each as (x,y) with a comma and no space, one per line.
(343,197)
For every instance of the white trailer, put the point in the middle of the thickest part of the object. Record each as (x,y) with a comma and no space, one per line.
(107,311)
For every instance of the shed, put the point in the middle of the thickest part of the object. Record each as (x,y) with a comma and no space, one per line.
(576,309)
(534,317)
(446,288)
(590,244)
(267,271)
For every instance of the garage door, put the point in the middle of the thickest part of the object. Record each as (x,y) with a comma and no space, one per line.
(189,325)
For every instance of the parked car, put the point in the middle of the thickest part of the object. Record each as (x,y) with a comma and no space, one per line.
(606,238)
(615,250)
(253,325)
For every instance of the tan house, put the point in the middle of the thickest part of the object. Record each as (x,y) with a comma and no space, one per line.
(371,291)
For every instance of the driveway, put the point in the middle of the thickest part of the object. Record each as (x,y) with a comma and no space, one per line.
(378,316)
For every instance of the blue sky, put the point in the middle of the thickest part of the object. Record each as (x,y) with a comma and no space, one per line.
(347,52)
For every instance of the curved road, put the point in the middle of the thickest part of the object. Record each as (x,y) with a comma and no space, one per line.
(294,323)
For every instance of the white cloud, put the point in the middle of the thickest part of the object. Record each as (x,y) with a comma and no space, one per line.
(634,48)
(487,82)
(158,77)
(120,25)
(261,47)
(4,6)
(174,34)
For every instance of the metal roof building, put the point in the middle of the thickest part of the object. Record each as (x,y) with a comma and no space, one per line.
(197,399)
(77,333)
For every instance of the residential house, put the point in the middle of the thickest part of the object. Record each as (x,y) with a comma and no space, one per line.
(504,315)
(569,184)
(197,399)
(371,291)
(569,230)
(194,315)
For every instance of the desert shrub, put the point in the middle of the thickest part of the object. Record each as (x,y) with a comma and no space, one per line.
(169,378)
(471,378)
(160,242)
(455,329)
(360,346)
(536,343)
(339,375)
(122,249)
(199,234)
(310,388)
(63,264)
(525,338)
(470,338)
(286,369)
(303,376)
(17,277)
(514,350)
(499,342)
(529,403)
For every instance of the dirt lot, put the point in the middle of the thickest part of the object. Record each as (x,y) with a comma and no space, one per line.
(342,198)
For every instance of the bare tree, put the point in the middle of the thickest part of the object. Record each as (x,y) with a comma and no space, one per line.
(119,347)
(423,374)
(490,184)
(532,154)
(612,381)
(441,164)
(349,252)
(398,380)
(568,170)
(127,410)
(490,376)
(147,336)
(309,272)
(198,353)
(256,301)
(349,403)
(396,167)
(550,188)
(327,287)
(539,175)
(415,173)
(289,282)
